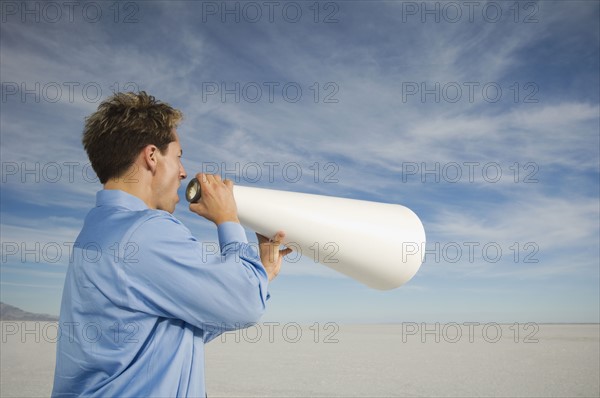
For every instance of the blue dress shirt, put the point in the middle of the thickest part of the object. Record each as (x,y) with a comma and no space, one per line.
(141,298)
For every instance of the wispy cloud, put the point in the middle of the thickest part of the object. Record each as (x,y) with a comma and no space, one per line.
(363,140)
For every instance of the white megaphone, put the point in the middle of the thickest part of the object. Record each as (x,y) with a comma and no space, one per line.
(381,245)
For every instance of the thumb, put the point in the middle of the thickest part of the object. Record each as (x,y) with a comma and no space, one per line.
(198,208)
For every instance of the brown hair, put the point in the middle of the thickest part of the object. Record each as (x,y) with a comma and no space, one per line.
(122,126)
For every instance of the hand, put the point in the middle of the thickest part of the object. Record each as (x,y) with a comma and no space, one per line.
(217,203)
(270,254)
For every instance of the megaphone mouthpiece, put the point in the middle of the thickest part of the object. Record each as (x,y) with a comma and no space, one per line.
(193,191)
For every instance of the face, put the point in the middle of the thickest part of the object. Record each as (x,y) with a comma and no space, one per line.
(169,173)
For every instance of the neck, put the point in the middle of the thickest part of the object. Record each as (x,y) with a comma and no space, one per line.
(134,186)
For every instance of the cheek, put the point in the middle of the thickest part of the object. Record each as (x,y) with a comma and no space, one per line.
(174,171)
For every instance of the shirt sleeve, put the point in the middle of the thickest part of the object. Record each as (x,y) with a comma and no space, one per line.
(213,287)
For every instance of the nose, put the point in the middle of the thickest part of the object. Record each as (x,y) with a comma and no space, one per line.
(182,173)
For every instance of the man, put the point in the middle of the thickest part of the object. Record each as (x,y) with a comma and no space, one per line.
(141,297)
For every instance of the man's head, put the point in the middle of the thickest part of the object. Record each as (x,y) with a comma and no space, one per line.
(132,139)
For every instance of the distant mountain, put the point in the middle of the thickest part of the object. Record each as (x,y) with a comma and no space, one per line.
(10,313)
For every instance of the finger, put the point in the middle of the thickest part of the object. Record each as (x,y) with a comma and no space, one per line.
(278,237)
(210,178)
(201,177)
(206,178)
(209,181)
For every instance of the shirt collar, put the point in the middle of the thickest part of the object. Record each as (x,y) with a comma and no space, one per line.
(116,197)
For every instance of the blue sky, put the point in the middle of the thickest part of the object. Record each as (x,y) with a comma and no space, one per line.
(485,122)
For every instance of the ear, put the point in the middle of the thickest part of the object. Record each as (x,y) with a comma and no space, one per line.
(150,155)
